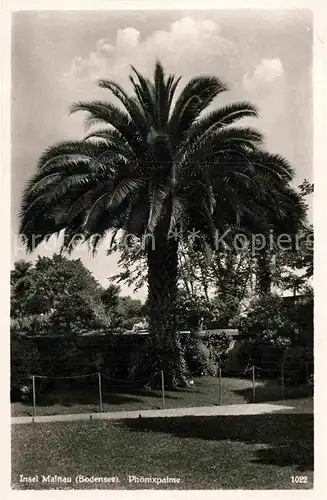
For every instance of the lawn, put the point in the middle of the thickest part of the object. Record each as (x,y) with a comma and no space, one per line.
(205,392)
(232,452)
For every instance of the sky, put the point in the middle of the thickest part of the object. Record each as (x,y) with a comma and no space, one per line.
(264,56)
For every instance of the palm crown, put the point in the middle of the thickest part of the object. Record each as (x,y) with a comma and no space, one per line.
(157,161)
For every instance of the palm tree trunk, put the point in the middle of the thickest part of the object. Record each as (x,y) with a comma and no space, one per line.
(263,282)
(166,349)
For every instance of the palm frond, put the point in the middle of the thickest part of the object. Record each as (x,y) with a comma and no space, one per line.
(172,84)
(109,114)
(112,139)
(194,98)
(178,213)
(41,183)
(97,209)
(161,97)
(134,110)
(145,95)
(79,204)
(220,118)
(156,200)
(276,164)
(124,189)
(66,151)
(221,149)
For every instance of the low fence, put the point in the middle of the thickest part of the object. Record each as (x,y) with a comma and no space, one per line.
(102,393)
(111,384)
(99,392)
(285,373)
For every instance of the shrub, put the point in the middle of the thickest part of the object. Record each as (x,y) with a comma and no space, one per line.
(218,345)
(197,356)
(262,354)
(279,327)
(296,361)
(267,321)
(190,310)
(25,362)
(32,324)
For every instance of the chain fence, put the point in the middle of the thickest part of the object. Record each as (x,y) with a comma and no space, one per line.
(100,392)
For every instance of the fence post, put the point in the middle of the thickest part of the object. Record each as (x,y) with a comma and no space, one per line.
(253,383)
(163,389)
(34,397)
(192,385)
(220,394)
(283,383)
(100,391)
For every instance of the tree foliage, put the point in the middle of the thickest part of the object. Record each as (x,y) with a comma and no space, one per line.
(56,295)
(60,295)
(292,268)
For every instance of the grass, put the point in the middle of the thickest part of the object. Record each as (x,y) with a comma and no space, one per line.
(232,452)
(204,393)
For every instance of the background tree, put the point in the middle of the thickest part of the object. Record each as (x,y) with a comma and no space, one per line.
(20,284)
(290,267)
(129,312)
(110,300)
(56,295)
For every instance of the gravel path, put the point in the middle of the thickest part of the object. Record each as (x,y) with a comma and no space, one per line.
(290,406)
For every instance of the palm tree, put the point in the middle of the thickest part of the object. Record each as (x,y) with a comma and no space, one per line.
(158,165)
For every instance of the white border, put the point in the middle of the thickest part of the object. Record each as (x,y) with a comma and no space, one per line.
(320,116)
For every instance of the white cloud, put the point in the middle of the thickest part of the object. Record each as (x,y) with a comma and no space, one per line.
(102,47)
(185,42)
(127,37)
(267,71)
